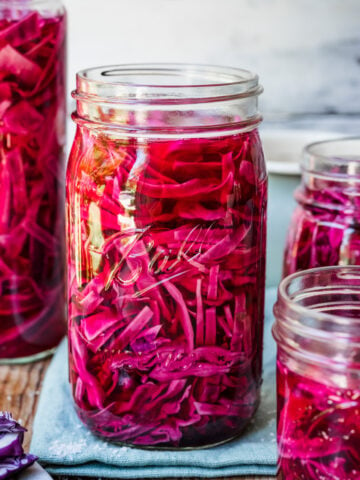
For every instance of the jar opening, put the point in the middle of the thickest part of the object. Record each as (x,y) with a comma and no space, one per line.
(333,159)
(156,82)
(166,76)
(321,293)
(318,311)
(167,98)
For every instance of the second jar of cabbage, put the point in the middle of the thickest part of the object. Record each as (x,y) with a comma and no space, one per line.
(166,198)
(325,228)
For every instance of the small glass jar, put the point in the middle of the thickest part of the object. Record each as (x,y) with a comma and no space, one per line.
(32,175)
(166,198)
(317,331)
(325,228)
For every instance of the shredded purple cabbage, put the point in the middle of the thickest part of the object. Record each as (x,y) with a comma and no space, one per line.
(166,286)
(12,456)
(32,135)
(318,429)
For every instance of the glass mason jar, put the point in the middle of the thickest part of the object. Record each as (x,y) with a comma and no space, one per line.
(317,330)
(32,175)
(166,201)
(325,228)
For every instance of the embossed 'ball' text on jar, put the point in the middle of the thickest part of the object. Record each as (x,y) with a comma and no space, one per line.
(166,225)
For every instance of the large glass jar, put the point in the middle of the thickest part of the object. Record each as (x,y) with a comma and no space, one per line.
(166,199)
(32,175)
(317,330)
(325,228)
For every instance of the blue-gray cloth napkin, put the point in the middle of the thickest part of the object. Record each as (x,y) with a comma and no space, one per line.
(65,447)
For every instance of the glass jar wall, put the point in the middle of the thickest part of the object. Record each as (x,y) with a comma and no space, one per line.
(166,201)
(318,374)
(32,139)
(325,228)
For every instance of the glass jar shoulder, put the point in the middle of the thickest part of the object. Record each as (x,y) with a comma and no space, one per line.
(93,148)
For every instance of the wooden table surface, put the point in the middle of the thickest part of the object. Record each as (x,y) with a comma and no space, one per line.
(20,387)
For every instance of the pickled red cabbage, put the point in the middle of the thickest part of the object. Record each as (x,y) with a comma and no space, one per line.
(325,228)
(32,117)
(166,286)
(318,429)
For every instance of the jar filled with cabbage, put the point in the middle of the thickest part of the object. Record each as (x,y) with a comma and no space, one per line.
(166,209)
(325,228)
(318,374)
(32,139)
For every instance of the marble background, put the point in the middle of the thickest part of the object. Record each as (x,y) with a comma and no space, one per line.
(306,52)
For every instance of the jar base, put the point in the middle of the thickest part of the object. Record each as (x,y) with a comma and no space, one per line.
(29,359)
(246,425)
(181,449)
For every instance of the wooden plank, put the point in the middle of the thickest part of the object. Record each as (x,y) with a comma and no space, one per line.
(19,394)
(20,390)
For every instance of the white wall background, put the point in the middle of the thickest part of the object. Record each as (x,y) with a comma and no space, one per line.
(307,52)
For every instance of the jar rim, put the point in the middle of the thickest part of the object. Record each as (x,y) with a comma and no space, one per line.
(167,99)
(309,332)
(315,321)
(337,158)
(349,272)
(165,83)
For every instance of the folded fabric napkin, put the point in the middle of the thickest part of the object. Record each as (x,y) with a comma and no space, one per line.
(65,447)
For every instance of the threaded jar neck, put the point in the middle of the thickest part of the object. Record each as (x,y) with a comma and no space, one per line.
(167,98)
(318,316)
(331,175)
(338,160)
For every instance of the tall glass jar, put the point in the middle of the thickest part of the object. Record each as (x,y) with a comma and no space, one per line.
(166,201)
(32,140)
(325,228)
(317,330)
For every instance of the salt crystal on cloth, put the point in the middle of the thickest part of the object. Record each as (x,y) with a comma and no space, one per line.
(65,446)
